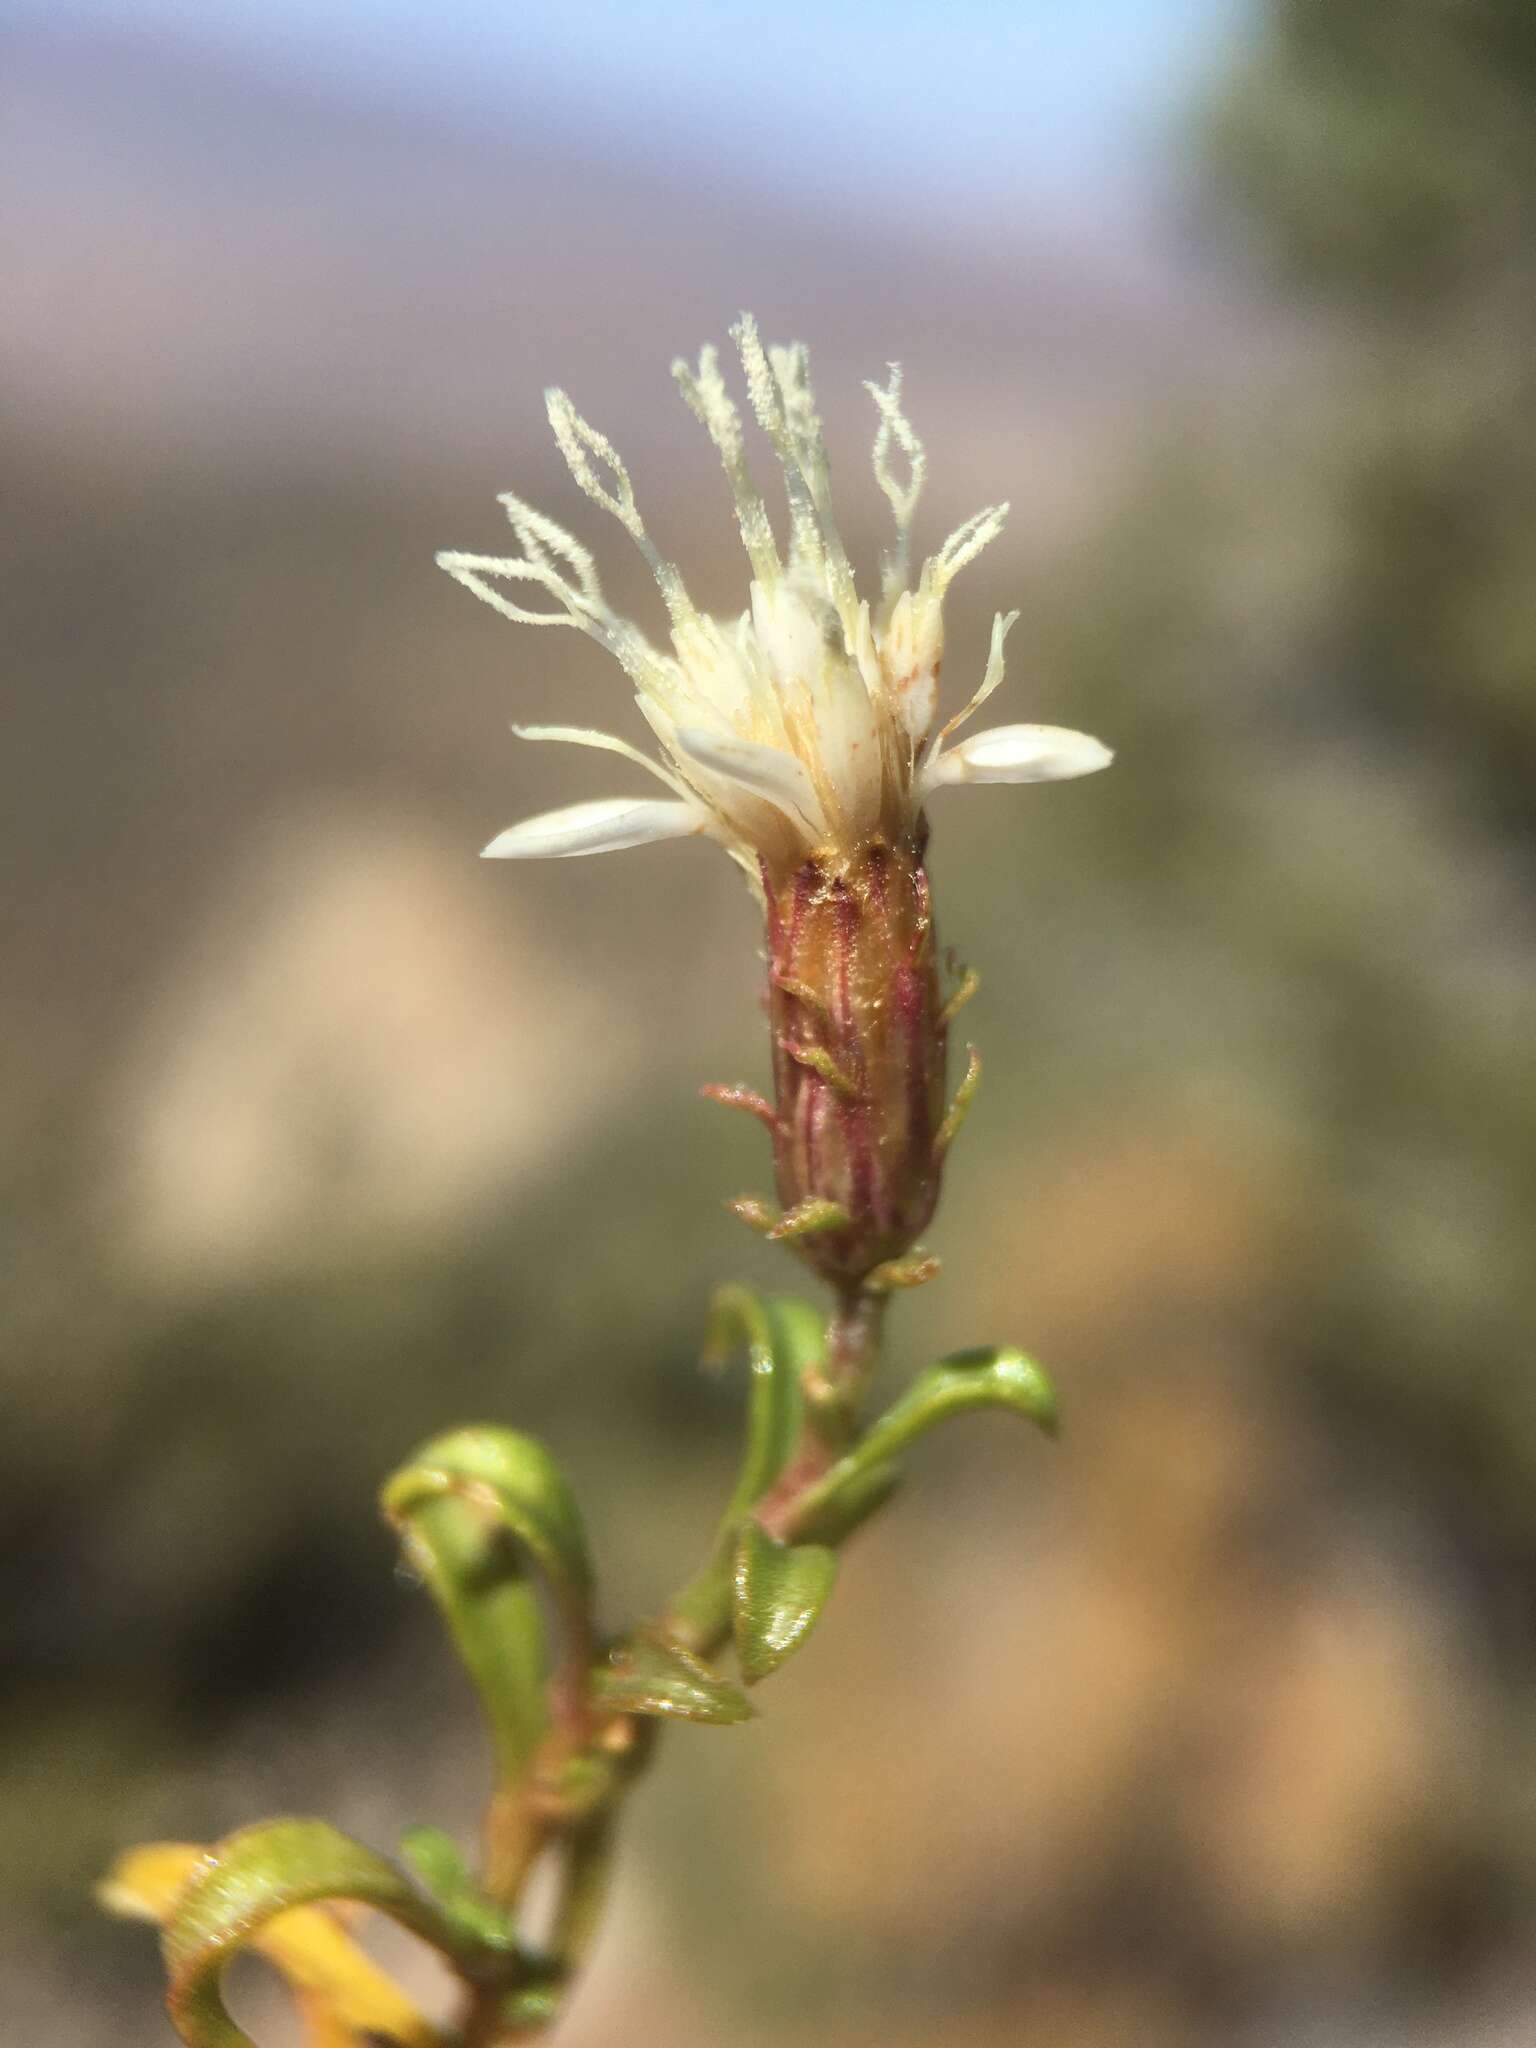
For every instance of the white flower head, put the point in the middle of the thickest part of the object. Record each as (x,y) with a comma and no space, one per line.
(808,724)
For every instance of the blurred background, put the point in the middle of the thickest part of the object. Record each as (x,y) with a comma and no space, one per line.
(1215,1724)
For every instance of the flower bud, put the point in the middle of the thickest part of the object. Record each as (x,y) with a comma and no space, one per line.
(858,1051)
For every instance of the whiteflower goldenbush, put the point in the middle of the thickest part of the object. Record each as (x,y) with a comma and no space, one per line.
(804,737)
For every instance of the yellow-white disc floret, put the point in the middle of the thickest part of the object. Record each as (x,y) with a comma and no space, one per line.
(806,725)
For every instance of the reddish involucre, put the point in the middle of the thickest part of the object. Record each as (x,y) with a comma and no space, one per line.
(858,1051)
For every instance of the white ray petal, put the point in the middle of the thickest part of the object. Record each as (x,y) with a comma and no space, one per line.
(1019,753)
(587,736)
(605,826)
(765,771)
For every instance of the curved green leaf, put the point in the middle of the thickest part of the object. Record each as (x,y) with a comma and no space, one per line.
(474,1508)
(437,1863)
(784,1337)
(799,1333)
(987,1376)
(515,1478)
(478,1580)
(649,1675)
(992,1376)
(842,1500)
(251,1877)
(780,1589)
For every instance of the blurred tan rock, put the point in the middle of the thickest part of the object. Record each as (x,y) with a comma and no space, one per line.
(359,1040)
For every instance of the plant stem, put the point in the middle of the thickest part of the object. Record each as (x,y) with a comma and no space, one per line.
(587,1860)
(832,1408)
(700,1618)
(510,1843)
(853,1348)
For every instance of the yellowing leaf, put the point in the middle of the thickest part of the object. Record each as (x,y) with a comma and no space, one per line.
(345,1999)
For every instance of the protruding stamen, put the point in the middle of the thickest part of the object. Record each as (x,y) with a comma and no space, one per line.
(966,543)
(576,608)
(711,404)
(579,440)
(583,605)
(791,371)
(805,543)
(895,426)
(543,540)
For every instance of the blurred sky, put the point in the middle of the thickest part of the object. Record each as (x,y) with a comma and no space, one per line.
(944,109)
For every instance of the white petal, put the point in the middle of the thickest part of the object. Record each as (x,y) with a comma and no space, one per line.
(1019,753)
(765,771)
(605,826)
(585,736)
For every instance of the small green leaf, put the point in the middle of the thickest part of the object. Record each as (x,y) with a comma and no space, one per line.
(649,1675)
(821,1062)
(438,1863)
(733,1095)
(780,1591)
(809,1218)
(915,1271)
(475,1508)
(754,1212)
(959,1109)
(252,1876)
(970,982)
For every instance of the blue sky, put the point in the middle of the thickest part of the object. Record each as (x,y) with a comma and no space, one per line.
(931,103)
